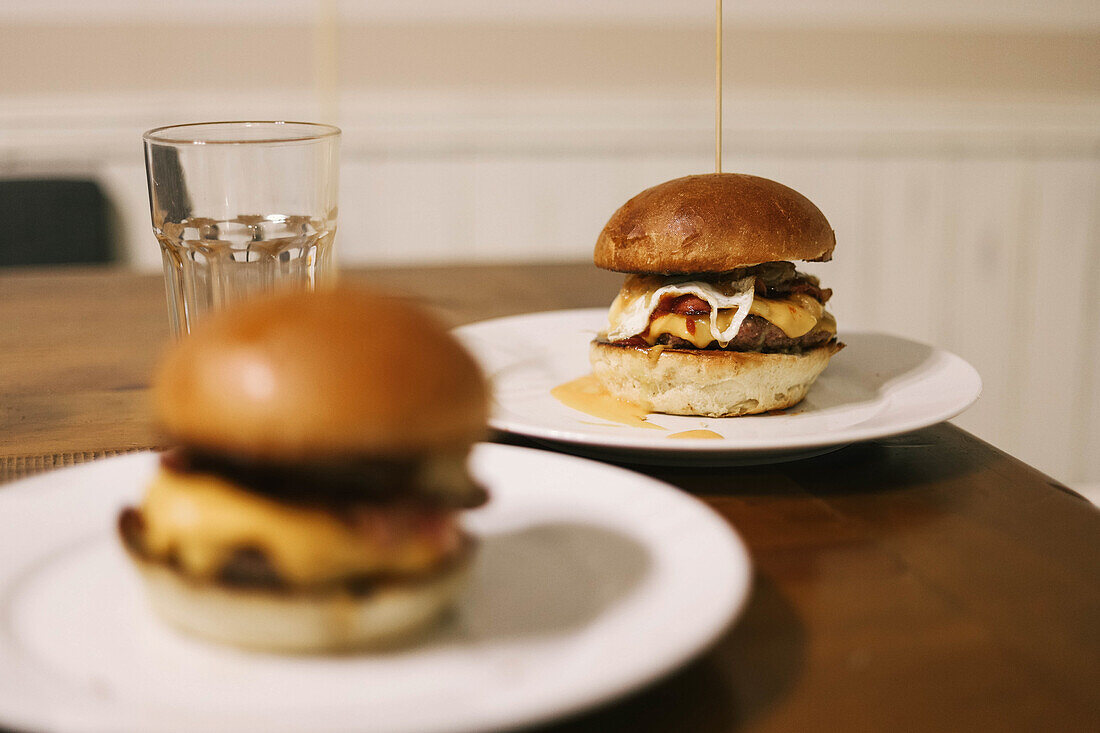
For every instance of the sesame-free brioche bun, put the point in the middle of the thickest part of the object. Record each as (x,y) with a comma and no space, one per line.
(711,383)
(713,223)
(321,375)
(335,621)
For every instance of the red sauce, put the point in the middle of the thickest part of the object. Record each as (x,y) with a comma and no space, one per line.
(681,305)
(684,305)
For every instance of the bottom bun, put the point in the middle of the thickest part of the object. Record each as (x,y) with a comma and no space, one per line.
(388,615)
(708,383)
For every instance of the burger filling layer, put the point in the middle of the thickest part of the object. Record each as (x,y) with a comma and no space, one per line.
(771,307)
(211,529)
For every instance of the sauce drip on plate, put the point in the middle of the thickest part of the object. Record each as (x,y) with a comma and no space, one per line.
(697,434)
(587,395)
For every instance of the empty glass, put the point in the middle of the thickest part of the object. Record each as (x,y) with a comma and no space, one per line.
(241,208)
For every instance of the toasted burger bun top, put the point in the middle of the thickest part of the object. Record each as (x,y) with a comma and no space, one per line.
(314,376)
(713,223)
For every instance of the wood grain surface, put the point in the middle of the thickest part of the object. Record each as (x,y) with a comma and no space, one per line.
(926,582)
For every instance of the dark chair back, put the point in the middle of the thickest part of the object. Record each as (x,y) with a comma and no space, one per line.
(53,222)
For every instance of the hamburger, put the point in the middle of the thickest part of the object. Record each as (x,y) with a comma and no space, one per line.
(312,501)
(713,318)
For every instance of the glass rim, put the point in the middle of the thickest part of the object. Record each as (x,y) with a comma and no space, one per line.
(320,130)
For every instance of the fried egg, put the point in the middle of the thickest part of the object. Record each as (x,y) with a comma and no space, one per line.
(640,294)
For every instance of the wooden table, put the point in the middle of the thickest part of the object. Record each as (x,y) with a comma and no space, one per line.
(927,582)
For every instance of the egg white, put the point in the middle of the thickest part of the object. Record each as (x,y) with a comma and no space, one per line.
(631,310)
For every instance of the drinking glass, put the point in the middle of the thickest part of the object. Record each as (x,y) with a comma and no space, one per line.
(241,208)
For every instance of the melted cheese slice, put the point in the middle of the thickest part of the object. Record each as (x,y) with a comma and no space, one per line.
(795,315)
(202,519)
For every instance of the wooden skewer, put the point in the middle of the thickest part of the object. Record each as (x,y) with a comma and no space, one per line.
(326,61)
(718,88)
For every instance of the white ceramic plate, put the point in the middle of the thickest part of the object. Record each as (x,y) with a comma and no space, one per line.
(591,581)
(879,385)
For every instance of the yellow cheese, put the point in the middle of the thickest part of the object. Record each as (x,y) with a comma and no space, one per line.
(202,520)
(795,315)
(698,333)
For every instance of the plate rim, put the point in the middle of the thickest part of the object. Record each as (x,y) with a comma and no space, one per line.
(759,446)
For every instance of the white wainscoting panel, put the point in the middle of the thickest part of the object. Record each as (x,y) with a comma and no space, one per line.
(1060,337)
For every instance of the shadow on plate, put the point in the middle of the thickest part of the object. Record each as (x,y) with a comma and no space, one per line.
(545,580)
(870,365)
(895,359)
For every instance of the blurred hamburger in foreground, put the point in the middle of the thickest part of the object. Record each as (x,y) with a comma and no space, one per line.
(713,318)
(312,502)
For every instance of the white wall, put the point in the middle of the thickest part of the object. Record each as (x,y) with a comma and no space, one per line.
(954,147)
